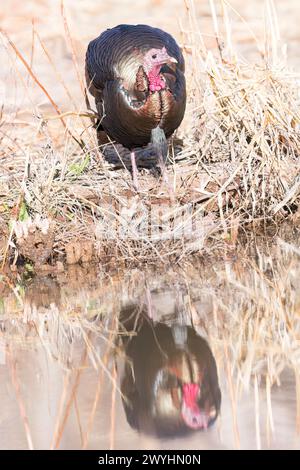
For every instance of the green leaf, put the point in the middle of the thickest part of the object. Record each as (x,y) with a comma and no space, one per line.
(23,213)
(20,289)
(29,268)
(4,207)
(78,168)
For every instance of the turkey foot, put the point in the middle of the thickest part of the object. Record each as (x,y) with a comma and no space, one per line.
(134,171)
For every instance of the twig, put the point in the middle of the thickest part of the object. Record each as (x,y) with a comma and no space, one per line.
(70,113)
(37,81)
(113,408)
(13,368)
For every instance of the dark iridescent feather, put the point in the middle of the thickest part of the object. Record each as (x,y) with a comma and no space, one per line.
(128,112)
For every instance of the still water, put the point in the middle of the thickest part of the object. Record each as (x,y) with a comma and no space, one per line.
(195,358)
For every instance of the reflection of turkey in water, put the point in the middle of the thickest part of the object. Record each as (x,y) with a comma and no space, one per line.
(139,361)
(170,385)
(145,358)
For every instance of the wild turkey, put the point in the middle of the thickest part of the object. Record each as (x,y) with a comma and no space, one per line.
(170,381)
(136,74)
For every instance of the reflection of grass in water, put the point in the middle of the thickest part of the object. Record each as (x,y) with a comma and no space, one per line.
(239,159)
(248,309)
(12,365)
(260,332)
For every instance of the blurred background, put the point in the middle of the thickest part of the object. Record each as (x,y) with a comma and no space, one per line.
(28,23)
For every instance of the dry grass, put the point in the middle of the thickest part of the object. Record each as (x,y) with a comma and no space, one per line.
(237,162)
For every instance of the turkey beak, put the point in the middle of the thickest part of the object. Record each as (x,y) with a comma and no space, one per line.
(171,62)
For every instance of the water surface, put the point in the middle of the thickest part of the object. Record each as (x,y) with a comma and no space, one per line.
(195,358)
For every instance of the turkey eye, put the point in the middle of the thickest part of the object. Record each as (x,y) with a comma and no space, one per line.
(154,56)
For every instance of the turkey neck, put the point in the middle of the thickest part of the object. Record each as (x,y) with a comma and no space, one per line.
(156,82)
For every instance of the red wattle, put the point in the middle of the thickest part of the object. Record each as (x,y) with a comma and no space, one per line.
(156,82)
(193,416)
(190,394)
